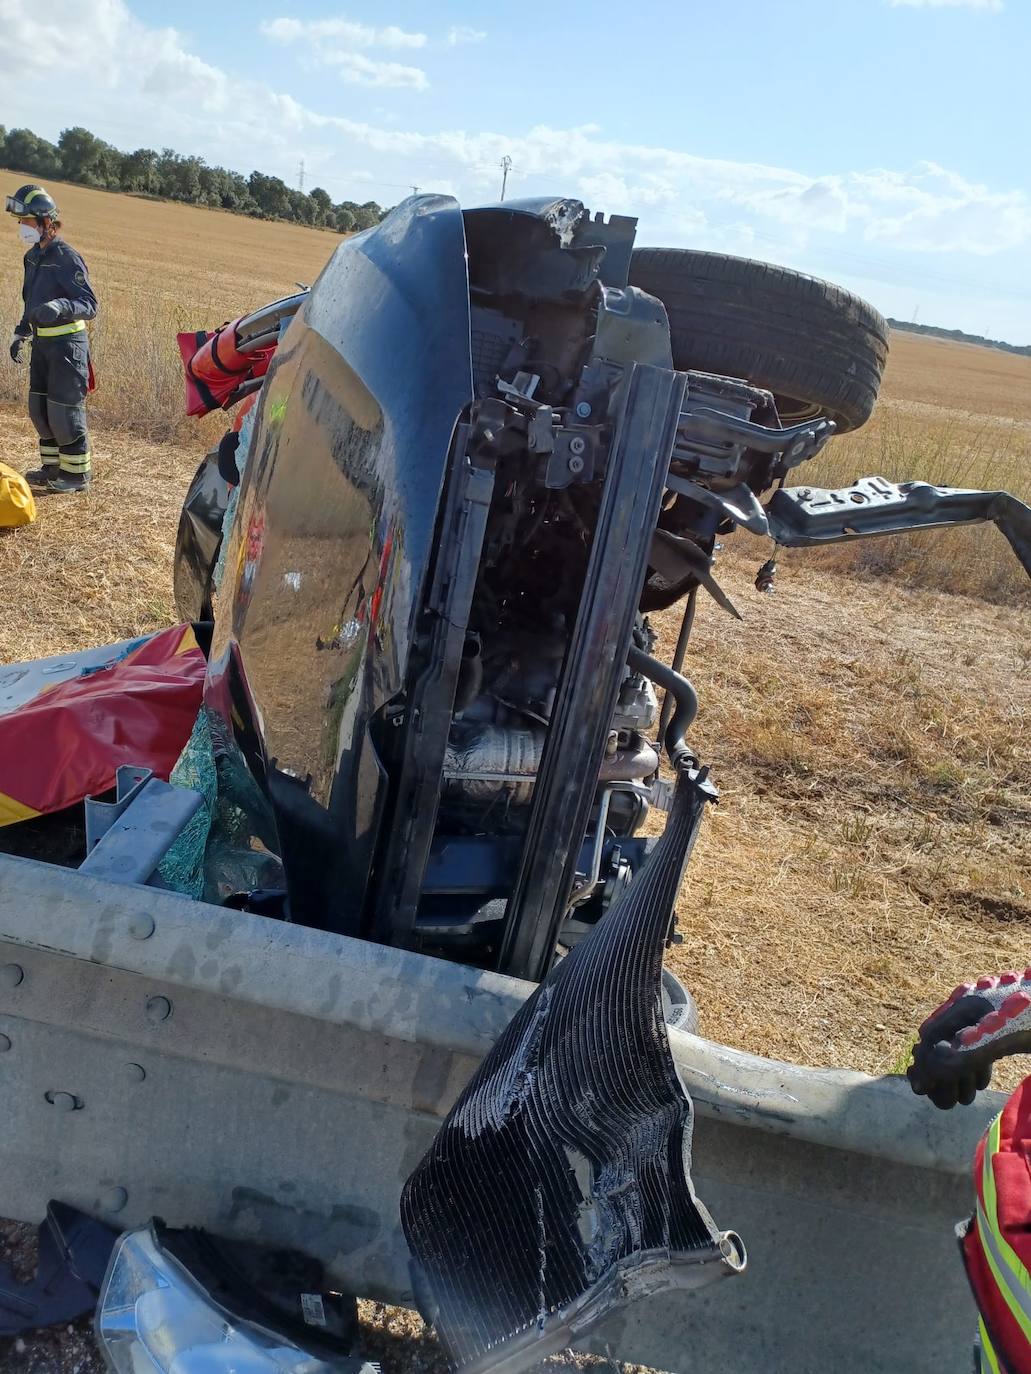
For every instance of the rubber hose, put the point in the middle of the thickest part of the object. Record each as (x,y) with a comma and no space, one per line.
(680,690)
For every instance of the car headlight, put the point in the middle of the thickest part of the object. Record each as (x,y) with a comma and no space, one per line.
(154,1317)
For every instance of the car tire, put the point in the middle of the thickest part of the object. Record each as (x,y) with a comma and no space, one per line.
(818,348)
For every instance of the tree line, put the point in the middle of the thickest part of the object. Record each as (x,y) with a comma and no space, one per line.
(960,336)
(81,157)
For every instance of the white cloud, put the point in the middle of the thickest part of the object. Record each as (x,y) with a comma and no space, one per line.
(985,6)
(347,31)
(464,33)
(147,86)
(333,43)
(359,70)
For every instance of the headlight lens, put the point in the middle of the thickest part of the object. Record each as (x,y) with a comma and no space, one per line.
(155,1318)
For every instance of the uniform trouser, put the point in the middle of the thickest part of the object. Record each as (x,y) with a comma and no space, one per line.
(58,380)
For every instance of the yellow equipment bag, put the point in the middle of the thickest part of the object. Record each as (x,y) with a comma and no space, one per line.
(17,504)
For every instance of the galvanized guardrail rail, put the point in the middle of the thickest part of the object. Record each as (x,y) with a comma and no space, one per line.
(164,1057)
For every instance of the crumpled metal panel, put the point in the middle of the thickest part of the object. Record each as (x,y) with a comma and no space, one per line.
(559,1186)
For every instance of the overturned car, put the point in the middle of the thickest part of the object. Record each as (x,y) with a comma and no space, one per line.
(489,443)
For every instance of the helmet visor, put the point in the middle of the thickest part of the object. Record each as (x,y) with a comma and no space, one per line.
(36,205)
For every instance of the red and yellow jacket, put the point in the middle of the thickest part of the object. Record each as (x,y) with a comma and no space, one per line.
(996,1242)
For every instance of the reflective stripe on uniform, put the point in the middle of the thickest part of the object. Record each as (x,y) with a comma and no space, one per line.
(33,194)
(1012,1279)
(991,1211)
(54,330)
(49,451)
(75,462)
(988,1361)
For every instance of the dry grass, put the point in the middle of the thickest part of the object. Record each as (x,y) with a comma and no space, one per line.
(869,736)
(97,567)
(951,413)
(159,269)
(872,845)
(960,377)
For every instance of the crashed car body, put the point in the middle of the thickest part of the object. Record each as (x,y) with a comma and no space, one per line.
(488,445)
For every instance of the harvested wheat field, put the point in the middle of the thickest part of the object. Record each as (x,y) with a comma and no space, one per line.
(870,741)
(867,725)
(158,269)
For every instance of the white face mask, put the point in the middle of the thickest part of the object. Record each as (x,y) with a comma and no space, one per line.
(28,234)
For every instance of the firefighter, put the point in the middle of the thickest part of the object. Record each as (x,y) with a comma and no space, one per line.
(952,1061)
(58,300)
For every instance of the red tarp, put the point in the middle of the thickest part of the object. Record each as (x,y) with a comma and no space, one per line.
(67,723)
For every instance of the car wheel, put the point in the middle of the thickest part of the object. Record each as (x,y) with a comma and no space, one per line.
(820,349)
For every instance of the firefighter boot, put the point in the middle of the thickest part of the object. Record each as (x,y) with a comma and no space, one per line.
(62,482)
(50,461)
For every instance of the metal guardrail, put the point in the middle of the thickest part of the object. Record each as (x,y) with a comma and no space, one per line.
(269,1081)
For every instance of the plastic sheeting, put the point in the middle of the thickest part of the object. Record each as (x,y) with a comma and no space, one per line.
(68,723)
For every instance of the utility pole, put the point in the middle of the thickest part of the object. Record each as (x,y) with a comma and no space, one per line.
(506,163)
(300,176)
(415,190)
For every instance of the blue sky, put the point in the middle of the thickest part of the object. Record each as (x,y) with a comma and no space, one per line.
(881,143)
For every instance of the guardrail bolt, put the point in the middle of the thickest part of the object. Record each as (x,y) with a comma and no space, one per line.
(11,975)
(5,1043)
(64,1102)
(141,927)
(114,1199)
(158,1009)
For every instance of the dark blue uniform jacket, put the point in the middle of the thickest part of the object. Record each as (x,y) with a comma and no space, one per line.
(56,289)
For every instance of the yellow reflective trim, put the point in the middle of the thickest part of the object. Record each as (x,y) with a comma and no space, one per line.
(989,1359)
(12,811)
(993,1138)
(991,1210)
(33,194)
(74,462)
(54,330)
(1017,1309)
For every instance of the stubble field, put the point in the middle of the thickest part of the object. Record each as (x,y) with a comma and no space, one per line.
(867,725)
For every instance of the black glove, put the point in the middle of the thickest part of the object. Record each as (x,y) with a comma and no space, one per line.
(18,343)
(46,314)
(959,1043)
